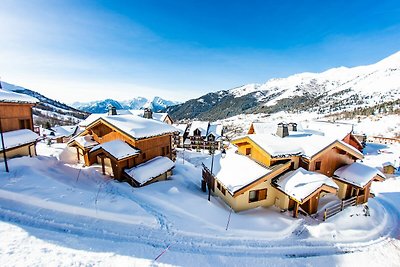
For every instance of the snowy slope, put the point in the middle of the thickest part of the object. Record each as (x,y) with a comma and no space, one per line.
(58,213)
(48,109)
(334,90)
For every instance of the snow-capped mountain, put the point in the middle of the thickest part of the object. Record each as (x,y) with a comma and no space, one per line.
(49,110)
(156,104)
(334,90)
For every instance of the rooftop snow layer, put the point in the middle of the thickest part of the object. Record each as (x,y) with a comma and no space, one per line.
(7,96)
(150,169)
(85,141)
(135,126)
(181,128)
(17,138)
(235,171)
(118,149)
(357,174)
(215,129)
(201,125)
(299,184)
(276,146)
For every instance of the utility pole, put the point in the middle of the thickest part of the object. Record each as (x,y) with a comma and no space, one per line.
(2,141)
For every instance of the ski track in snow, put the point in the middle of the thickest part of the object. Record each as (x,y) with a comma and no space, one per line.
(183,242)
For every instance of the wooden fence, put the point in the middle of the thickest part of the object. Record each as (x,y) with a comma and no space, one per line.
(329,212)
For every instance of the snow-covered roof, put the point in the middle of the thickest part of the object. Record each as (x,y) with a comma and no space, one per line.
(156,115)
(388,163)
(235,171)
(357,174)
(181,128)
(8,96)
(215,129)
(150,169)
(296,143)
(91,118)
(201,125)
(326,128)
(61,131)
(118,149)
(18,138)
(276,146)
(300,183)
(264,127)
(138,127)
(85,141)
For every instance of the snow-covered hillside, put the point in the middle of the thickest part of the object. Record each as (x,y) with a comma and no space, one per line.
(49,110)
(332,91)
(156,104)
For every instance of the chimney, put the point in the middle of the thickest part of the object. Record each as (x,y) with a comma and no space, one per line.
(292,127)
(148,114)
(112,110)
(282,130)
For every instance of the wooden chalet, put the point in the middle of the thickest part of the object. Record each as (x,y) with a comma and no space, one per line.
(16,123)
(126,145)
(388,168)
(355,180)
(298,168)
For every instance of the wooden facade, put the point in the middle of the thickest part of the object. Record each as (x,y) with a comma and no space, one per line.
(101,131)
(16,116)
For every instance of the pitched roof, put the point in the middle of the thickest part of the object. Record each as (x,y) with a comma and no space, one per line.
(18,138)
(118,149)
(201,125)
(135,126)
(235,171)
(8,96)
(300,183)
(181,128)
(215,129)
(149,170)
(357,174)
(296,143)
(84,141)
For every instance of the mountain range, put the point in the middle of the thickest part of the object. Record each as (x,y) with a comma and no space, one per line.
(49,110)
(335,90)
(156,104)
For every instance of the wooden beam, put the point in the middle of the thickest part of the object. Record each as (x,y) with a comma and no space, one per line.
(296,209)
(103,168)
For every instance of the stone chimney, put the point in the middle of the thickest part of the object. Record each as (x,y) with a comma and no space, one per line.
(292,127)
(112,110)
(148,114)
(282,130)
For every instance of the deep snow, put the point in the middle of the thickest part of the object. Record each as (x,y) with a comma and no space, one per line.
(58,213)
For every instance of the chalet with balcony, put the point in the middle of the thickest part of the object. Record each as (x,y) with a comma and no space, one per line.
(128,147)
(16,124)
(204,135)
(290,169)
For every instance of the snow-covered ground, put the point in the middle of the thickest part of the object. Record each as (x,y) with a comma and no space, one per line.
(56,212)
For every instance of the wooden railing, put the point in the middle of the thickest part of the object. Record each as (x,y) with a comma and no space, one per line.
(335,209)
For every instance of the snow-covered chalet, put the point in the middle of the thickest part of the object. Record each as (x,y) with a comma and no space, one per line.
(290,167)
(131,148)
(16,124)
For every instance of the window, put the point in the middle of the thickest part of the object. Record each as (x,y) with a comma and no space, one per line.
(257,195)
(218,185)
(248,151)
(223,191)
(24,124)
(318,165)
(144,156)
(162,151)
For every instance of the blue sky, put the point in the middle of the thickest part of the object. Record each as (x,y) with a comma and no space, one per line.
(88,50)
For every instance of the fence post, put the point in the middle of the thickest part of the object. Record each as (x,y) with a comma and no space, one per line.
(342,205)
(325,215)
